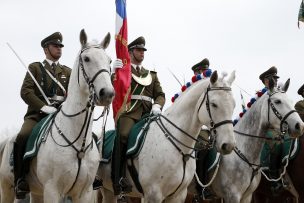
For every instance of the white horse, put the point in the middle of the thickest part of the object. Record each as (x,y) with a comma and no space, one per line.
(68,159)
(238,178)
(165,164)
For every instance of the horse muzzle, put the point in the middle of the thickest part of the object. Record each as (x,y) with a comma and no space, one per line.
(105,97)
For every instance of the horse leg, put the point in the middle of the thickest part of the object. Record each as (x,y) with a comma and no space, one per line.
(178,197)
(85,197)
(50,193)
(246,199)
(36,198)
(291,188)
(107,196)
(153,195)
(7,192)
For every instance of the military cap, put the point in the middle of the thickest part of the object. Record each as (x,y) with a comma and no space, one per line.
(55,38)
(204,64)
(301,90)
(271,72)
(138,43)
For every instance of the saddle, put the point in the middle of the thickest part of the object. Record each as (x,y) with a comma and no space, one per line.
(136,140)
(284,151)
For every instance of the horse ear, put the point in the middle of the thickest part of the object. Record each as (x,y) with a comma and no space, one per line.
(83,38)
(231,78)
(214,77)
(106,41)
(286,85)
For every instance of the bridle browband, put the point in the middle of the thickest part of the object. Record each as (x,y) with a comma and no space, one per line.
(88,109)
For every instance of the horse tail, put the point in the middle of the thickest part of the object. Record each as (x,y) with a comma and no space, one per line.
(5,138)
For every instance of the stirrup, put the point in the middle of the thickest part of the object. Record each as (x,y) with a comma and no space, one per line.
(21,189)
(97,184)
(125,185)
(122,199)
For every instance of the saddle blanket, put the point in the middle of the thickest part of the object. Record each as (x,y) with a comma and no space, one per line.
(37,136)
(135,140)
(213,157)
(286,150)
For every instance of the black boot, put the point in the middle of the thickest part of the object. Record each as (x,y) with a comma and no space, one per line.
(274,172)
(97,184)
(21,186)
(124,182)
(115,174)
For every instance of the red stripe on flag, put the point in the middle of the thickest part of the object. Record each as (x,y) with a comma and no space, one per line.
(122,78)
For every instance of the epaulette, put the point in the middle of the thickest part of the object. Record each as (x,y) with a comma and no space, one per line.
(36,63)
(64,66)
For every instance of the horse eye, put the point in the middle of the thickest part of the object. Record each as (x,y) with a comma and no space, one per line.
(110,61)
(277,102)
(86,59)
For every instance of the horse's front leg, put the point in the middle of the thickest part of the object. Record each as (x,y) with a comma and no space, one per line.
(107,196)
(178,197)
(85,197)
(7,192)
(50,193)
(36,198)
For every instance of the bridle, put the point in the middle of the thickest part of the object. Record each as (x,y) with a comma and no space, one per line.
(213,125)
(283,129)
(173,139)
(88,110)
(283,122)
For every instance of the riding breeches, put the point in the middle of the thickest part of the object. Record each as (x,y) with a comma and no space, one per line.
(25,132)
(124,127)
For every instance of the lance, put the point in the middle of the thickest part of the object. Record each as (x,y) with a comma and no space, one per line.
(29,72)
(175,77)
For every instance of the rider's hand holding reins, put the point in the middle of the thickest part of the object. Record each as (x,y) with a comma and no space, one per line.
(156,109)
(48,109)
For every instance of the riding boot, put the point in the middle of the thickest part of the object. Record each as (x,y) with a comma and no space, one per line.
(97,184)
(21,186)
(274,172)
(124,182)
(115,173)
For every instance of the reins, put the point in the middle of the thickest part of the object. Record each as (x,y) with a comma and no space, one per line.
(173,139)
(283,130)
(88,116)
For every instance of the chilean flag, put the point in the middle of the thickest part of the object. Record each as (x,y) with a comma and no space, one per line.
(122,81)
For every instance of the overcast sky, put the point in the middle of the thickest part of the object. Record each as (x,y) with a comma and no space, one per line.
(248,36)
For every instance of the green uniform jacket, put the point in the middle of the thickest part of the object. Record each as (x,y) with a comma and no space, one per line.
(154,90)
(300,108)
(30,92)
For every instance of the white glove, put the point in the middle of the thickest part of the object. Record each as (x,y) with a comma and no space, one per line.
(117,64)
(48,109)
(156,109)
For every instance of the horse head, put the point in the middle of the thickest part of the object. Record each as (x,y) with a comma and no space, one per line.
(95,66)
(279,112)
(217,115)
